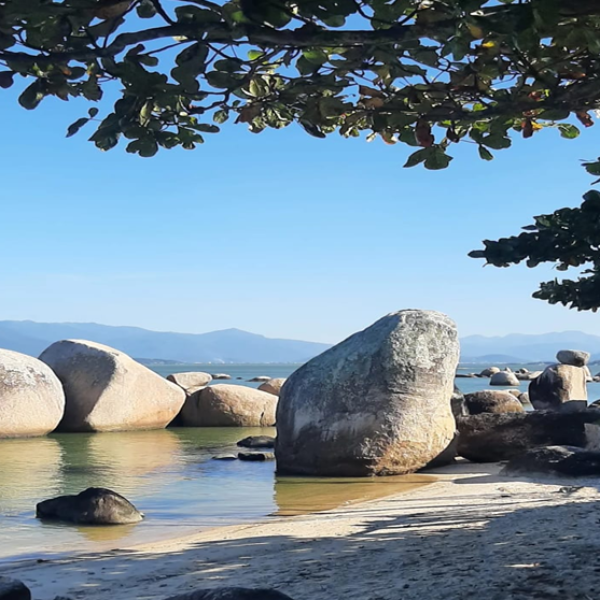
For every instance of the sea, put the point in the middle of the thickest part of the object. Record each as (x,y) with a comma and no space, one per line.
(170,475)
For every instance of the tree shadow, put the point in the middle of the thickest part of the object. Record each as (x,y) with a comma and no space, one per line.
(459,549)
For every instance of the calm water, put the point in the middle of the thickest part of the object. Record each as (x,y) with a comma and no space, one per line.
(169,475)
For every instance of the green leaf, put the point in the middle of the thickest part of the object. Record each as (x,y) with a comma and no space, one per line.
(76,126)
(255,54)
(145,59)
(221,116)
(485,154)
(334,21)
(93,112)
(206,128)
(218,79)
(145,9)
(496,141)
(6,79)
(32,95)
(228,65)
(417,157)
(194,14)
(437,160)
(315,57)
(145,147)
(568,131)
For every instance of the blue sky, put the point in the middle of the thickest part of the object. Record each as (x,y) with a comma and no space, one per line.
(278,233)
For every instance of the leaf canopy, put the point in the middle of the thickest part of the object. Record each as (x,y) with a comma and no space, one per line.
(427,73)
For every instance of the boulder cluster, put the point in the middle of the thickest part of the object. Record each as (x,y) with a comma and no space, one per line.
(382,402)
(83,386)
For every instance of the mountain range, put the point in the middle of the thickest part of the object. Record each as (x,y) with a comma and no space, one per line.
(227,346)
(236,346)
(521,348)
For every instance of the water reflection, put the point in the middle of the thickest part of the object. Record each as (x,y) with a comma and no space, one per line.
(303,495)
(168,474)
(28,467)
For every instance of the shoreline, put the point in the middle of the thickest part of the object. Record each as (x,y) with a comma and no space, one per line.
(471,530)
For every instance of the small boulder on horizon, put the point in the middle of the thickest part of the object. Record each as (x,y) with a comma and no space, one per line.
(575,358)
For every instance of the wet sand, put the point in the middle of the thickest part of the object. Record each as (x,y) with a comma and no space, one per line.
(471,534)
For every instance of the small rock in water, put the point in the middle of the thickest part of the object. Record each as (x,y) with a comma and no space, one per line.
(256,456)
(233,593)
(224,457)
(220,376)
(94,506)
(257,441)
(260,378)
(13,589)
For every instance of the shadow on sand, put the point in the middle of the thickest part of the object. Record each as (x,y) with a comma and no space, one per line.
(544,545)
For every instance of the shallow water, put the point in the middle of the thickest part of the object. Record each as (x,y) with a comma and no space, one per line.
(168,474)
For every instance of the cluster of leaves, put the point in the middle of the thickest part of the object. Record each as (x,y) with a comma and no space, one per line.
(569,237)
(427,73)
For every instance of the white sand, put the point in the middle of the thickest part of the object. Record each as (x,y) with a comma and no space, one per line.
(472,534)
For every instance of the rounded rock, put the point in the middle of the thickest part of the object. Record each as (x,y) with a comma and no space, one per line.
(32,400)
(273,386)
(225,405)
(106,390)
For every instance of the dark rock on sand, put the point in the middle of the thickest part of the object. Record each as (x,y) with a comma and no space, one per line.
(495,437)
(556,460)
(13,589)
(232,593)
(257,441)
(94,506)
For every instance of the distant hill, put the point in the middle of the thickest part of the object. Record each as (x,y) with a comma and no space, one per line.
(236,346)
(227,346)
(490,359)
(528,348)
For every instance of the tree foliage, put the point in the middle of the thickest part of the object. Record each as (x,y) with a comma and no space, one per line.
(427,73)
(569,237)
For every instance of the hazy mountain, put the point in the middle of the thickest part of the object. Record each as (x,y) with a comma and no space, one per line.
(236,346)
(230,345)
(528,348)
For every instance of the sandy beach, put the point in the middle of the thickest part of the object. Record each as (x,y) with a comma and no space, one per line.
(470,534)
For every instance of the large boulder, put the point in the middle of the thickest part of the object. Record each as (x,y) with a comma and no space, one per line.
(190,381)
(273,386)
(556,385)
(504,378)
(575,358)
(555,460)
(225,405)
(492,401)
(378,403)
(107,390)
(495,437)
(94,506)
(32,401)
(13,589)
(232,593)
